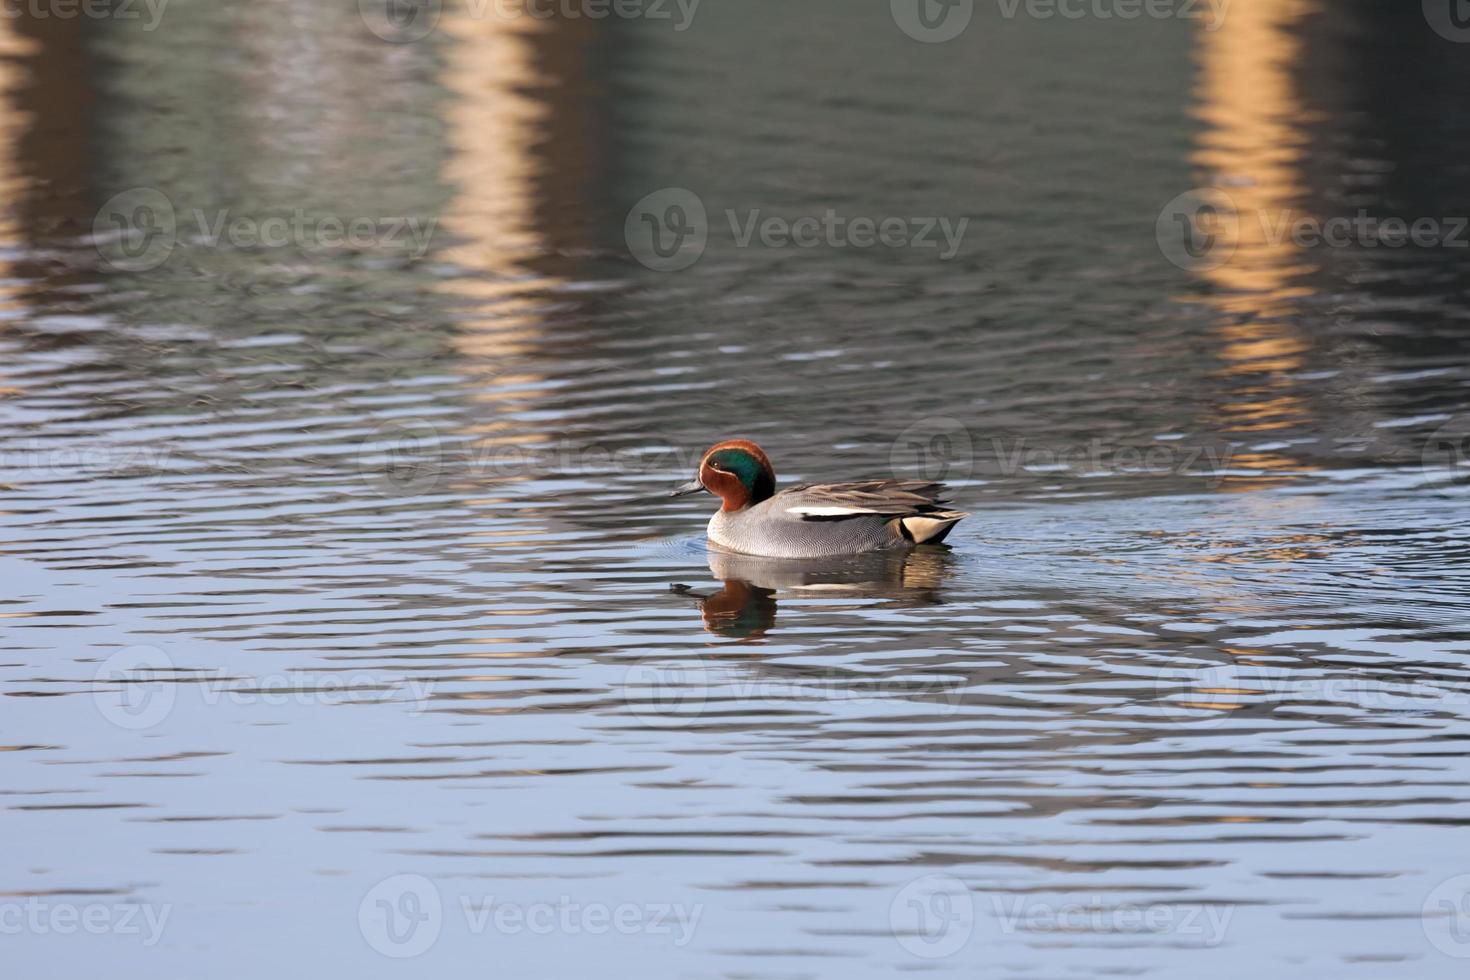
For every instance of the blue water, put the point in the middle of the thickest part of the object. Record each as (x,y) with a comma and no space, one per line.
(345,628)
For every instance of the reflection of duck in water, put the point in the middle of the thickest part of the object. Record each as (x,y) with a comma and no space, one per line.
(745,606)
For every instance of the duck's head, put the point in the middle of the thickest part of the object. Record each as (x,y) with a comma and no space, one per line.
(736,471)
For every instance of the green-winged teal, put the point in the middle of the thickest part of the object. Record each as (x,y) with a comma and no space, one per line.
(813,520)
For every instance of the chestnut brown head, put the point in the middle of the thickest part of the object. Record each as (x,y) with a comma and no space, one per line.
(736,471)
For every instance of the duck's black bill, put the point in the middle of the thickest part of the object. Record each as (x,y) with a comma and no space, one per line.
(693,486)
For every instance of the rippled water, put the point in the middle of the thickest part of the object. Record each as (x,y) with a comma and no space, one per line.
(344,620)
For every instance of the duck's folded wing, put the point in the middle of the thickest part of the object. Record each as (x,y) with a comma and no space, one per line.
(911,507)
(843,501)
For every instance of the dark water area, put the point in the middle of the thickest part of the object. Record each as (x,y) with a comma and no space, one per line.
(345,628)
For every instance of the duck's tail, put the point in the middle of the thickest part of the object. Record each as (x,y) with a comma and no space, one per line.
(930,528)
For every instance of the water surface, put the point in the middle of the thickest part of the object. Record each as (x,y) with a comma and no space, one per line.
(344,617)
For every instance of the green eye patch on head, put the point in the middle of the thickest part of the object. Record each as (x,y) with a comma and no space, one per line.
(749,469)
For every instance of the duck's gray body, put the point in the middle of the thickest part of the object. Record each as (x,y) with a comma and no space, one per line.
(823,520)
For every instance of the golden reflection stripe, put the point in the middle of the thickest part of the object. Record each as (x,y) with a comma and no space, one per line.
(14,50)
(1251,148)
(492,129)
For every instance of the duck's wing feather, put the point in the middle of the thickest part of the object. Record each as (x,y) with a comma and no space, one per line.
(844,501)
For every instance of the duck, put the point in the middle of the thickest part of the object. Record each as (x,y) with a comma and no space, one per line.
(813,520)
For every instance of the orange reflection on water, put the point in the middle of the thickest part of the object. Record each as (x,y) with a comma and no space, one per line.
(1251,148)
(13,184)
(493,127)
